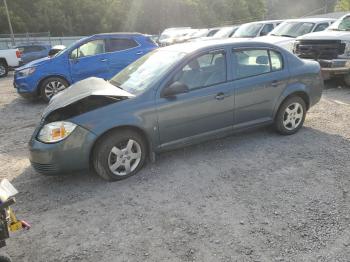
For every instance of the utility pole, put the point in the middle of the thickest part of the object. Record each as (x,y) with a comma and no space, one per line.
(10,25)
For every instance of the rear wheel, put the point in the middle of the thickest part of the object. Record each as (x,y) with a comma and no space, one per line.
(291,115)
(3,69)
(119,155)
(51,87)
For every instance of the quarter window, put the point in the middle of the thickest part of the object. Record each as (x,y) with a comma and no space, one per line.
(121,44)
(205,70)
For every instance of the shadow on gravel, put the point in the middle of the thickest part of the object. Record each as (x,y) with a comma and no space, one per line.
(247,152)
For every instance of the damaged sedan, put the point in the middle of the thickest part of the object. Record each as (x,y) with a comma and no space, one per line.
(173,97)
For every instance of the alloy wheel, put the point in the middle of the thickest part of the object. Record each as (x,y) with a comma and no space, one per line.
(293,116)
(2,70)
(124,158)
(53,87)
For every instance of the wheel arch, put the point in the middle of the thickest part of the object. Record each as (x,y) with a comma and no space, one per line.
(134,128)
(50,76)
(2,59)
(299,91)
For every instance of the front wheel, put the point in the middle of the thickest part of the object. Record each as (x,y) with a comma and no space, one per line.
(119,155)
(291,116)
(347,80)
(3,69)
(51,87)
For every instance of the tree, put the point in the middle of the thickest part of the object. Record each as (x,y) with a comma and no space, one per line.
(343,5)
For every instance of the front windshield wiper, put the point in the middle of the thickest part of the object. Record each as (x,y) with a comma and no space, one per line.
(116,84)
(337,29)
(288,36)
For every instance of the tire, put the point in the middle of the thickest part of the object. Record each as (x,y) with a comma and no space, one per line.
(4,70)
(51,86)
(347,80)
(5,258)
(117,151)
(291,116)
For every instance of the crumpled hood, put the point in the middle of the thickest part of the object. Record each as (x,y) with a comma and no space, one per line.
(92,86)
(281,41)
(327,35)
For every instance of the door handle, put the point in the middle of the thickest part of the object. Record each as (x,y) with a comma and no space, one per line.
(220,96)
(139,53)
(104,60)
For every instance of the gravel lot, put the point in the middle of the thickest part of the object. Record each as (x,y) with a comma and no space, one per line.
(255,196)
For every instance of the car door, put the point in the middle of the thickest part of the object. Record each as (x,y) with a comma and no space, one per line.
(260,78)
(89,59)
(205,109)
(121,53)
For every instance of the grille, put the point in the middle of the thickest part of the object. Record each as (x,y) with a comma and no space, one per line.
(44,168)
(319,49)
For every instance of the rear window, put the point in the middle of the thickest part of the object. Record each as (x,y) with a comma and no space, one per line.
(120,44)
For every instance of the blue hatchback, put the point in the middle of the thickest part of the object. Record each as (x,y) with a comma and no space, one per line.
(102,55)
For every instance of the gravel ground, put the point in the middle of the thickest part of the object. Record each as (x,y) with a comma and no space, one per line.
(255,196)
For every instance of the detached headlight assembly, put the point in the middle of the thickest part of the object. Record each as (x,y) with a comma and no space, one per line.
(27,71)
(55,132)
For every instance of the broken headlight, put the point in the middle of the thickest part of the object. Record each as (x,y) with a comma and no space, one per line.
(56,131)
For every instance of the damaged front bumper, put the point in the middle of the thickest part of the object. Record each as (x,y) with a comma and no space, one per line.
(69,155)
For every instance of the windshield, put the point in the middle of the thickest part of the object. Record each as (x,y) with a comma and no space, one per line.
(140,75)
(341,24)
(293,29)
(225,32)
(248,30)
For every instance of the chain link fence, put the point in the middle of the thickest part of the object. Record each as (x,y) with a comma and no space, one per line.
(32,38)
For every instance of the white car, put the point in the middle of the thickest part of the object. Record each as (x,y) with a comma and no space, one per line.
(331,48)
(256,29)
(285,34)
(9,58)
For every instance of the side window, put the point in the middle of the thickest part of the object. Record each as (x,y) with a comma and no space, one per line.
(321,27)
(89,49)
(120,44)
(276,61)
(266,29)
(202,71)
(251,63)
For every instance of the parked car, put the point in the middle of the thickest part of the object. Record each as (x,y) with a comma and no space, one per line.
(256,29)
(285,34)
(331,48)
(172,36)
(223,32)
(33,51)
(173,97)
(101,55)
(9,58)
(56,49)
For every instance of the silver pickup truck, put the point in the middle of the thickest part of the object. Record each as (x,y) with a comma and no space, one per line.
(9,58)
(331,48)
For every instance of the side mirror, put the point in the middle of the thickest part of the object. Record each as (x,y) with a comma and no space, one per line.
(175,89)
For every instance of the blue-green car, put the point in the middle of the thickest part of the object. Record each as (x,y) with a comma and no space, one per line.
(173,97)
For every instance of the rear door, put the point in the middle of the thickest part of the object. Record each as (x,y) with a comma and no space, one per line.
(260,78)
(88,60)
(122,52)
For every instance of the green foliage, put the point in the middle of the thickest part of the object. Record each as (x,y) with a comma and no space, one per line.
(84,17)
(343,5)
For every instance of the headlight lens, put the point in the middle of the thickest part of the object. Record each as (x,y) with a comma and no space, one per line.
(347,48)
(27,71)
(56,131)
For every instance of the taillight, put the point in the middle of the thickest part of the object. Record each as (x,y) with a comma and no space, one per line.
(18,54)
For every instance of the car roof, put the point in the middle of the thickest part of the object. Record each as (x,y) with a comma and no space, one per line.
(315,20)
(265,22)
(191,47)
(125,34)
